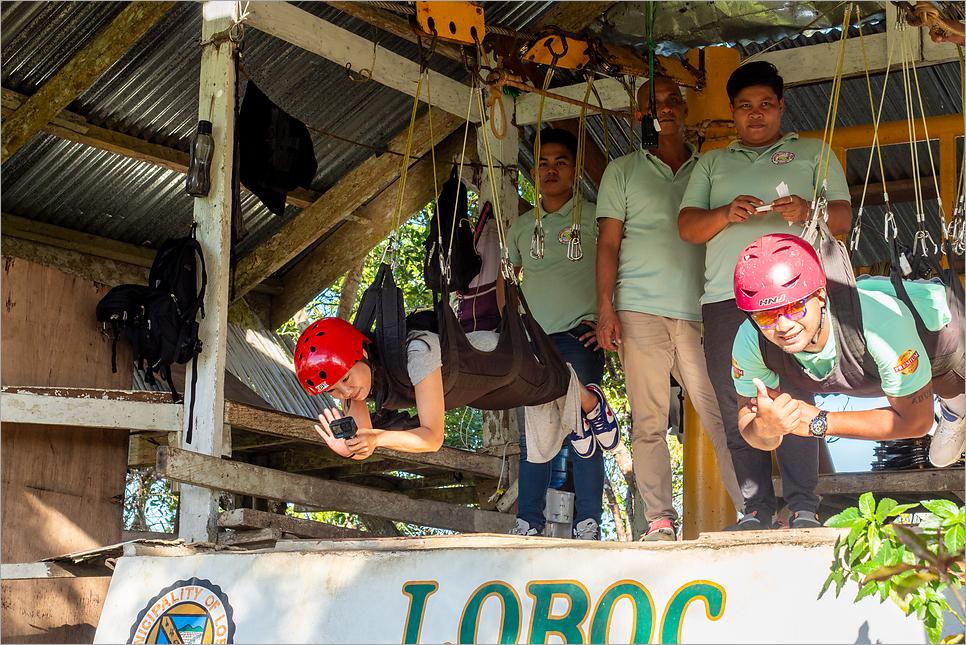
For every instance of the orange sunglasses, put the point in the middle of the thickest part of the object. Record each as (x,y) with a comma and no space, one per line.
(769,318)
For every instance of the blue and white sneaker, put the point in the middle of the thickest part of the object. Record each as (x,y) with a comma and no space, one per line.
(582,439)
(603,421)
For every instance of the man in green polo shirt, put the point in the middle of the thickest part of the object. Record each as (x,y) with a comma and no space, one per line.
(724,208)
(562,297)
(648,287)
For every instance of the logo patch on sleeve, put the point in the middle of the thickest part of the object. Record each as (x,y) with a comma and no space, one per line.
(735,370)
(781,157)
(908,362)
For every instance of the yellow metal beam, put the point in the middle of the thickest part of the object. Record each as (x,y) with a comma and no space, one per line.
(893,132)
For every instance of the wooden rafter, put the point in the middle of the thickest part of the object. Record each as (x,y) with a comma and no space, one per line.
(352,191)
(72,79)
(315,35)
(75,127)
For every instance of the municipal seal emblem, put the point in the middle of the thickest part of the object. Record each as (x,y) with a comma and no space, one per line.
(565,235)
(907,363)
(189,611)
(781,157)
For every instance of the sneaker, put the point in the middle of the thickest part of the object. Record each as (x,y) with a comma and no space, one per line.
(754,521)
(805,520)
(947,444)
(661,531)
(523,528)
(603,421)
(587,530)
(582,440)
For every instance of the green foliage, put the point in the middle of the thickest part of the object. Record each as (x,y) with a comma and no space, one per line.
(149,504)
(913,569)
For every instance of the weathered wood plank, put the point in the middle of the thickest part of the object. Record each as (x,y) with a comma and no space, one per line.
(572,16)
(352,191)
(90,413)
(141,396)
(92,61)
(217,474)
(246,518)
(254,538)
(39,570)
(889,482)
(86,254)
(612,94)
(74,127)
(301,28)
(281,424)
(367,227)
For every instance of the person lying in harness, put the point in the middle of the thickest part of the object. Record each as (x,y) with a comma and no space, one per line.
(795,331)
(333,356)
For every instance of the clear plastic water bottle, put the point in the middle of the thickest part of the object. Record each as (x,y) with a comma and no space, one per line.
(198,182)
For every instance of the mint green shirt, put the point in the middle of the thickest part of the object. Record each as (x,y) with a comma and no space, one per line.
(657,273)
(890,335)
(560,292)
(723,174)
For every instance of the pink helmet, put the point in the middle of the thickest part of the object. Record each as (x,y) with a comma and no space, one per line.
(327,349)
(775,270)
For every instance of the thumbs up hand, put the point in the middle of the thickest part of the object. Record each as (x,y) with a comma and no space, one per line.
(776,414)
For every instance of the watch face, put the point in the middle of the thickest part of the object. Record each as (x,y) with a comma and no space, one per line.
(818,426)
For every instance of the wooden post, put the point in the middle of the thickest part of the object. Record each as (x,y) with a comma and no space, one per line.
(707,506)
(198,511)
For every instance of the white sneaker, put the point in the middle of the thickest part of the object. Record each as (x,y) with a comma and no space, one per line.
(523,528)
(950,438)
(587,530)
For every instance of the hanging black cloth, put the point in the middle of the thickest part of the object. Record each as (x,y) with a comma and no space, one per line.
(855,372)
(510,376)
(276,150)
(464,261)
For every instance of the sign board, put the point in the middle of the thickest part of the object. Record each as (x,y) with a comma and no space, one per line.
(729,588)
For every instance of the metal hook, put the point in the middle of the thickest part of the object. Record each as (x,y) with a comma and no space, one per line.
(888,220)
(537,243)
(575,251)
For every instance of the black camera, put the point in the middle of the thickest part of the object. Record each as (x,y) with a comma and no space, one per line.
(344,428)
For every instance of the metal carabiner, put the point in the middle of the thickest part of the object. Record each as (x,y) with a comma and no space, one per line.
(574,250)
(888,220)
(537,243)
(856,232)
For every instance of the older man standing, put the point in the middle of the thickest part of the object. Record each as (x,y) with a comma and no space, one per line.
(649,283)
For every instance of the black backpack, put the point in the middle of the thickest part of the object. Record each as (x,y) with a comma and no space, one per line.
(160,320)
(464,261)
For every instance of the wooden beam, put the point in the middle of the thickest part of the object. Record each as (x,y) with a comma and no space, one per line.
(925,482)
(340,46)
(572,16)
(205,402)
(246,518)
(392,23)
(281,424)
(74,77)
(368,226)
(253,539)
(612,94)
(900,191)
(352,191)
(74,127)
(129,263)
(41,570)
(217,474)
(817,63)
(17,406)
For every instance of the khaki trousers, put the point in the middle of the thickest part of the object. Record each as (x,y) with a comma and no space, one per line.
(654,348)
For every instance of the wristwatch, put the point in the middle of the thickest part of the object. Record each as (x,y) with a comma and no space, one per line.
(819,426)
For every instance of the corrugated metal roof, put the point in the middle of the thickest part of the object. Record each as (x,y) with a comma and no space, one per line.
(152,93)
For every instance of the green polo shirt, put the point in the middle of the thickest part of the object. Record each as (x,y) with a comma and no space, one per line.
(560,292)
(658,273)
(890,335)
(723,174)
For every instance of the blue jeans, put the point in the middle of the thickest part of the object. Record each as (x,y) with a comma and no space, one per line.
(588,473)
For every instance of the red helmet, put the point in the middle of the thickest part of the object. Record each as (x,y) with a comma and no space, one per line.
(775,270)
(327,349)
